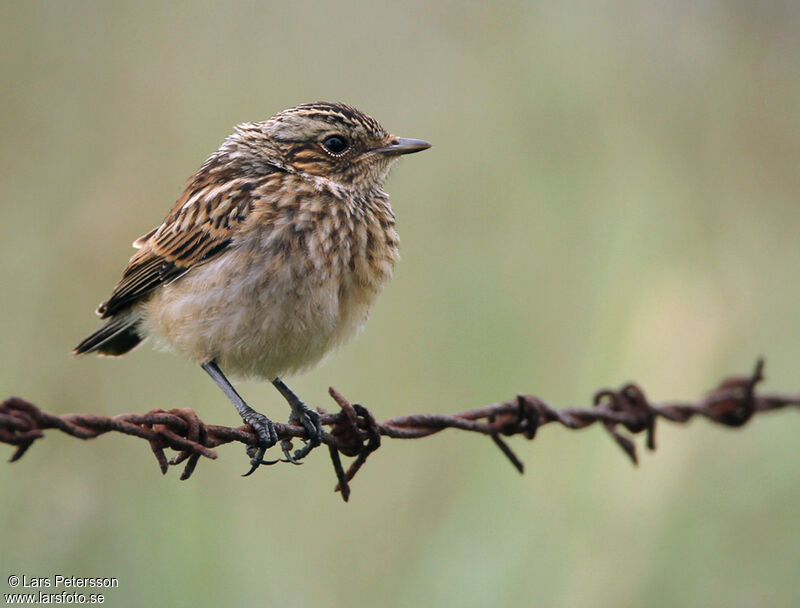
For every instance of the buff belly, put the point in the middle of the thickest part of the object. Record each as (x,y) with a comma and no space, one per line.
(258,317)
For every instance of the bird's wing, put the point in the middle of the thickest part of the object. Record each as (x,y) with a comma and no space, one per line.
(202,224)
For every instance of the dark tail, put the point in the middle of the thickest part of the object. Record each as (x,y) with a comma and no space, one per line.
(115,338)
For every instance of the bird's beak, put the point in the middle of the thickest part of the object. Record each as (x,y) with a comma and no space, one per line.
(402,145)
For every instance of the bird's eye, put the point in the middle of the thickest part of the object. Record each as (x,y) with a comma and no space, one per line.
(335,144)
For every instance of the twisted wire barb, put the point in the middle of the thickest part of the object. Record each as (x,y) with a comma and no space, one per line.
(354,432)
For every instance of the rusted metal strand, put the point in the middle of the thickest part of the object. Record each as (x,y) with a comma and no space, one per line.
(354,432)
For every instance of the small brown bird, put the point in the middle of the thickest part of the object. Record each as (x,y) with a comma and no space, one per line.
(269,259)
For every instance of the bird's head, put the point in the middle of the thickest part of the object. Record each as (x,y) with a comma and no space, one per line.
(326,140)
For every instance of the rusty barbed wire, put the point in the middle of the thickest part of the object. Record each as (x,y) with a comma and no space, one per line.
(354,432)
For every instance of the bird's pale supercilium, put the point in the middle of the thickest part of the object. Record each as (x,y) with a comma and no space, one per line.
(269,259)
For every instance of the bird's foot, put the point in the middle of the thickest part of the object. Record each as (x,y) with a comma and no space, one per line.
(310,420)
(267,437)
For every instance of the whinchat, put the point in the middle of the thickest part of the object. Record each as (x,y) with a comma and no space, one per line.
(270,258)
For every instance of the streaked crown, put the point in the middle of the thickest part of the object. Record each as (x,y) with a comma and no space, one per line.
(329,140)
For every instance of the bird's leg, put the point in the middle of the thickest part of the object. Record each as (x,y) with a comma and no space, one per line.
(304,415)
(263,427)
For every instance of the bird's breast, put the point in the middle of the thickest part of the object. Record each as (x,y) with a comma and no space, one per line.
(352,242)
(287,292)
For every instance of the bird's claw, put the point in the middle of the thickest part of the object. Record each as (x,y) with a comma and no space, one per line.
(286,447)
(310,419)
(267,437)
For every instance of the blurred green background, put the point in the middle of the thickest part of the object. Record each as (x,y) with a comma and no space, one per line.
(613,194)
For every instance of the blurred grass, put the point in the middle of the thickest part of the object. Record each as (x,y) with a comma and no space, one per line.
(612,195)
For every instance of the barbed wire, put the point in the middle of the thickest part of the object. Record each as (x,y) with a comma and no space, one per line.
(354,432)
